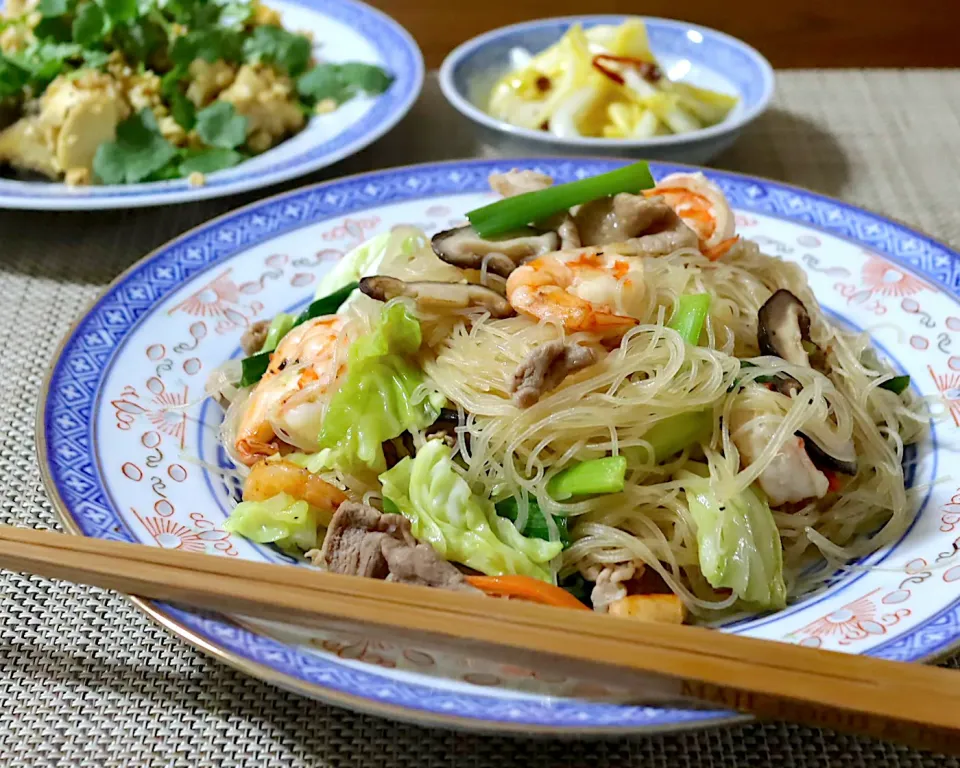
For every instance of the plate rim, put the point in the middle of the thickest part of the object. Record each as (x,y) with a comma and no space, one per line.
(375,131)
(156,612)
(466,108)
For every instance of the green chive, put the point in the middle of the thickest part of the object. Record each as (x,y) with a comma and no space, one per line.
(897,385)
(519,211)
(690,316)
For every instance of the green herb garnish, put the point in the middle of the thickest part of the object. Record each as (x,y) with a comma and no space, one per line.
(89,25)
(897,385)
(211,160)
(536,525)
(690,316)
(288,51)
(256,365)
(341,82)
(138,151)
(219,125)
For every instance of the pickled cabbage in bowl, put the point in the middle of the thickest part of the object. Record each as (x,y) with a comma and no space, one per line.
(603,82)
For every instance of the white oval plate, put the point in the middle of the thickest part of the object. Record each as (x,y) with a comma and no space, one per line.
(343,30)
(119,462)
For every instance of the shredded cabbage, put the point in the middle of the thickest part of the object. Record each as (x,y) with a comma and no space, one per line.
(376,401)
(739,543)
(564,89)
(282,520)
(459,525)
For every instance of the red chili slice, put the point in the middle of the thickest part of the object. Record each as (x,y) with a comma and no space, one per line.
(647,70)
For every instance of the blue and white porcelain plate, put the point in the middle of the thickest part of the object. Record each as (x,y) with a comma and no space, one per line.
(125,436)
(343,30)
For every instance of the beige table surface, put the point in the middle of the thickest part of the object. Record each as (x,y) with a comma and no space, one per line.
(85,680)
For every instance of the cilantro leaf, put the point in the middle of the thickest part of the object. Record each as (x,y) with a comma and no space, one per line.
(120,10)
(193,13)
(341,82)
(207,44)
(219,125)
(235,15)
(211,160)
(53,28)
(367,78)
(138,151)
(323,82)
(168,172)
(43,61)
(275,45)
(182,110)
(53,8)
(13,78)
(96,59)
(89,25)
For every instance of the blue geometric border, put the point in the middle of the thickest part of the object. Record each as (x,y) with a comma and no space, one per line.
(65,420)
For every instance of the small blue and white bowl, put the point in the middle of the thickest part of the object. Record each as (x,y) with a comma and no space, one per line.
(697,55)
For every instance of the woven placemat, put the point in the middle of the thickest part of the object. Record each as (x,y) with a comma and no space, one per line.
(86,680)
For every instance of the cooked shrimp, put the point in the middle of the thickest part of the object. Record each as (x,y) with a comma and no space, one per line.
(702,206)
(791,476)
(582,290)
(270,478)
(304,362)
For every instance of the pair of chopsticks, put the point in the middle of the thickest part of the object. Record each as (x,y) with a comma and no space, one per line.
(664,665)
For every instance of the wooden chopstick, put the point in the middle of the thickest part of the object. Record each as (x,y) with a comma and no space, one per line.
(663,664)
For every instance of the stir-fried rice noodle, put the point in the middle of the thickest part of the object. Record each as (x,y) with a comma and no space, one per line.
(608,408)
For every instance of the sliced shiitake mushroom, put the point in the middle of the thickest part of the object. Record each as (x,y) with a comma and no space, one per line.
(785,384)
(445,427)
(824,460)
(464,248)
(437,296)
(783,326)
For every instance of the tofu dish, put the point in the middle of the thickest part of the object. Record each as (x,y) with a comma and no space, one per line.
(131,91)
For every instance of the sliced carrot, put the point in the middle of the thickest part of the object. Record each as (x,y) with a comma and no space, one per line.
(721,248)
(834,483)
(525,588)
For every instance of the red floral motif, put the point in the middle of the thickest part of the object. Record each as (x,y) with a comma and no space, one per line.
(256,286)
(880,276)
(170,534)
(359,649)
(741,220)
(321,257)
(156,352)
(212,299)
(855,621)
(209,531)
(950,514)
(132,472)
(125,409)
(354,230)
(171,417)
(948,385)
(198,332)
(863,297)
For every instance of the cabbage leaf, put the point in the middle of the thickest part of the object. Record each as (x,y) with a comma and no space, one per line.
(289,523)
(739,543)
(460,526)
(354,265)
(376,400)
